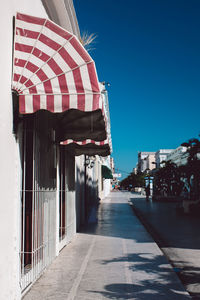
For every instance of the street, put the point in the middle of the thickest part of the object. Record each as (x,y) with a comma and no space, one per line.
(113,258)
(178,237)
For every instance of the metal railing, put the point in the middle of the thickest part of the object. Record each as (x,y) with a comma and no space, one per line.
(38,214)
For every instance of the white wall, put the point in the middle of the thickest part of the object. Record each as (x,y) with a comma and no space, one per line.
(106,187)
(80,189)
(10,177)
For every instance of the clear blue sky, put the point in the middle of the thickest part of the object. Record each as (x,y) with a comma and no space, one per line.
(149,51)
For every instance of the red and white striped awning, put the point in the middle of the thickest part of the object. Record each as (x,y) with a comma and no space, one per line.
(88,147)
(85,142)
(51,69)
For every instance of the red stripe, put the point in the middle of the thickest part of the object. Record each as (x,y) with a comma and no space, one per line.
(31,67)
(19,62)
(27,33)
(48,87)
(41,75)
(22,104)
(23,48)
(78,81)
(58,30)
(54,66)
(83,142)
(67,58)
(102,143)
(50,103)
(16,77)
(30,19)
(95,102)
(63,84)
(80,49)
(81,102)
(36,102)
(65,102)
(79,89)
(93,77)
(40,54)
(50,43)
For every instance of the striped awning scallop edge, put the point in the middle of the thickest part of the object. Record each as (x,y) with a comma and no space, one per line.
(89,147)
(51,69)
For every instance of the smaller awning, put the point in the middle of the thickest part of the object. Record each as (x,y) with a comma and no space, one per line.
(87,147)
(106,172)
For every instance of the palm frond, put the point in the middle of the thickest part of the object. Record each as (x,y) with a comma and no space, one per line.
(87,40)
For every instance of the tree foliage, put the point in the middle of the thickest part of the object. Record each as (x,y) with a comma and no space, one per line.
(171,180)
(134,180)
(167,180)
(192,169)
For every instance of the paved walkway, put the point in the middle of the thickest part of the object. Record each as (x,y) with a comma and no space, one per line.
(115,259)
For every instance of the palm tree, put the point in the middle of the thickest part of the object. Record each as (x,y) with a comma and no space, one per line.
(167,180)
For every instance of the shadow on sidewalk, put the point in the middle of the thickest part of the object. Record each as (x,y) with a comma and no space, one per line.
(166,226)
(154,280)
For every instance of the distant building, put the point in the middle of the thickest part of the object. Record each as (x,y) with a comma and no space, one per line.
(135,170)
(161,155)
(145,161)
(178,156)
(151,159)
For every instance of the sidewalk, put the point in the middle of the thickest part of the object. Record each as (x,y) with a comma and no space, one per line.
(114,259)
(177,235)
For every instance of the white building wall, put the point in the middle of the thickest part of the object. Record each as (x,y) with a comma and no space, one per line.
(10,177)
(178,156)
(80,190)
(106,182)
(106,187)
(161,155)
(151,161)
(70,197)
(144,160)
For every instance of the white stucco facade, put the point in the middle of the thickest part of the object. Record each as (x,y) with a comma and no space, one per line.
(161,155)
(178,156)
(11,160)
(145,161)
(10,177)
